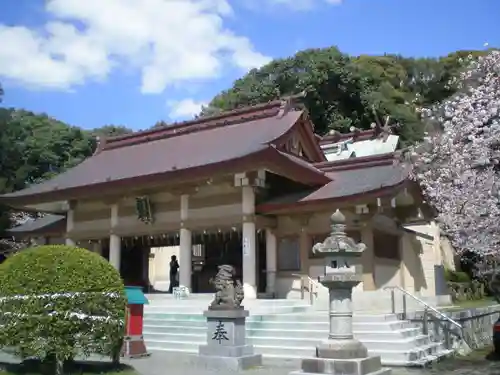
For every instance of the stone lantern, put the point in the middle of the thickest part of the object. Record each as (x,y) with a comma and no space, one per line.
(341,353)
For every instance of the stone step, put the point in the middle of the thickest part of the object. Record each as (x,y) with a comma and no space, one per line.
(399,343)
(286,325)
(310,342)
(255,311)
(323,317)
(414,357)
(276,316)
(203,303)
(280,333)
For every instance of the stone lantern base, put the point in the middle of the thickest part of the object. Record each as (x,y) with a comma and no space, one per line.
(342,357)
(360,366)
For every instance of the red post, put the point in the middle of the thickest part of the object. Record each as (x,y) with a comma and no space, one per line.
(133,343)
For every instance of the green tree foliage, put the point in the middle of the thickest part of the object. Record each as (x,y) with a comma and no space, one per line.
(110,131)
(342,90)
(35,147)
(60,301)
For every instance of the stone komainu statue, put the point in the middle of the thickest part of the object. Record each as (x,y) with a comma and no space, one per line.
(229,291)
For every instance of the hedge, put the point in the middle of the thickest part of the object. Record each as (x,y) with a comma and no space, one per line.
(58,301)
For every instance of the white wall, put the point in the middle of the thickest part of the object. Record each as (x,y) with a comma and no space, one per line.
(422,252)
(159,268)
(387,272)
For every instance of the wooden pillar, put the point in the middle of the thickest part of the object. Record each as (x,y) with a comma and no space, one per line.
(186,246)
(249,243)
(114,239)
(70,223)
(368,258)
(305,247)
(271,261)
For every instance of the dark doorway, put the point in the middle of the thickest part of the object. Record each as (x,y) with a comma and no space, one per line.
(133,264)
(224,249)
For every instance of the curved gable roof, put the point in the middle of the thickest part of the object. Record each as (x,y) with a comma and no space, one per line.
(188,148)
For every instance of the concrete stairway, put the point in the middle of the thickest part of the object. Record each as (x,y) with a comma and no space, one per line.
(289,329)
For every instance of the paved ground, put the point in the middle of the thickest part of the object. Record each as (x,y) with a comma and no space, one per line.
(161,363)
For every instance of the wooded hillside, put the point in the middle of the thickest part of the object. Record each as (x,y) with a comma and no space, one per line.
(343,90)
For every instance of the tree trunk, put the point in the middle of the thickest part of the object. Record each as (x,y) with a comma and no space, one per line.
(59,366)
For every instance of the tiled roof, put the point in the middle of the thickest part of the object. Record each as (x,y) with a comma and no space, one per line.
(350,178)
(351,182)
(185,147)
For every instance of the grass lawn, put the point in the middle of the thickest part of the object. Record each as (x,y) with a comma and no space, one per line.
(476,359)
(460,305)
(32,367)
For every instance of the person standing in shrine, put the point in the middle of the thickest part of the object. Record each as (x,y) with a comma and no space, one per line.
(174,273)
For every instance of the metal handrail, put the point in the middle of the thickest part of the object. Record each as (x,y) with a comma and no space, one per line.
(314,283)
(425,304)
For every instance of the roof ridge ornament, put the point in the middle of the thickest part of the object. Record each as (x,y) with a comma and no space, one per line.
(383,130)
(290,102)
(101,144)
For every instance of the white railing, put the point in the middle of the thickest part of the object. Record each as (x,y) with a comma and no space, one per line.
(428,309)
(309,285)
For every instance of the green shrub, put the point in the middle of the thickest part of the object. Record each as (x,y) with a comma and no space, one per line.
(456,276)
(59,301)
(448,275)
(462,277)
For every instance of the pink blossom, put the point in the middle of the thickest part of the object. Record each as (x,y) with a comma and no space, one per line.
(458,166)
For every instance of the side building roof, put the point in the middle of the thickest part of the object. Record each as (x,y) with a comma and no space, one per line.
(351,179)
(47,224)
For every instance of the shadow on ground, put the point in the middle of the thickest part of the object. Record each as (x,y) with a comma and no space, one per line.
(492,356)
(32,367)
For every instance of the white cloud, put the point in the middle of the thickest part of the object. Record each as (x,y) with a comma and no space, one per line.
(167,41)
(290,4)
(186,108)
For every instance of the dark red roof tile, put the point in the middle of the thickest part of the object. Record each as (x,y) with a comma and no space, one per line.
(345,184)
(183,147)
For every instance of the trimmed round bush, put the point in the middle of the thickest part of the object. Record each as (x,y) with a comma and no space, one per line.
(58,301)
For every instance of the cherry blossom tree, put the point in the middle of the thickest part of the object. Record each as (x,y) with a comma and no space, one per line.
(458,166)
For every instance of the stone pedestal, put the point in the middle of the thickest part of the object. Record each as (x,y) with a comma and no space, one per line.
(352,366)
(341,353)
(226,341)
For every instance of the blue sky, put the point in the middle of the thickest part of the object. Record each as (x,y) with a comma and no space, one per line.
(135,62)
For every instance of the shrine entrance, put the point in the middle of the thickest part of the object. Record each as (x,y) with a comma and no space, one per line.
(212,250)
(133,263)
(139,254)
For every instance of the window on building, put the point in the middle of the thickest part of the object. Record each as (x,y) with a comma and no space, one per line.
(319,238)
(289,254)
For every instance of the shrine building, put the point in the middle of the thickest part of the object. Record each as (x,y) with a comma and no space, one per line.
(254,188)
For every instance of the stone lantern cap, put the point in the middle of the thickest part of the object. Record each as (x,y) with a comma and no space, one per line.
(338,241)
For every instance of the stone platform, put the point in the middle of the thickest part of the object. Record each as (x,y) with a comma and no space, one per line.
(226,341)
(359,366)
